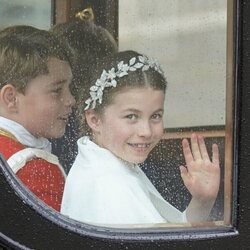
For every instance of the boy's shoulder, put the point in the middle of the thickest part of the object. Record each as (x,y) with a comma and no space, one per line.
(40,164)
(9,146)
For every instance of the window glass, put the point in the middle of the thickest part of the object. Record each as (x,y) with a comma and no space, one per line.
(190,41)
(35,13)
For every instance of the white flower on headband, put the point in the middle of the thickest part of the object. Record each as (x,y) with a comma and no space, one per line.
(108,79)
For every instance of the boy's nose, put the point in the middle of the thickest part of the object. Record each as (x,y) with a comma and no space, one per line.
(71,100)
(145,130)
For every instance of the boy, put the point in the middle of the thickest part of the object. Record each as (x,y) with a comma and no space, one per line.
(35,103)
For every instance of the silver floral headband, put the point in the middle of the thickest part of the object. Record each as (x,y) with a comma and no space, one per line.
(108,79)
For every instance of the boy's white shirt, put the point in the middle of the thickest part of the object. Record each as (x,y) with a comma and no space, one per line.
(37,147)
(103,189)
(23,135)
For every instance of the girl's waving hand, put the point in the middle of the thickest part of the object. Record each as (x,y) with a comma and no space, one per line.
(201,175)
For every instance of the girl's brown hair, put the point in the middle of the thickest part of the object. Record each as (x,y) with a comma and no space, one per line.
(134,79)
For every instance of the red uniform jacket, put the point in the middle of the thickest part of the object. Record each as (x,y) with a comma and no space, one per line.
(43,178)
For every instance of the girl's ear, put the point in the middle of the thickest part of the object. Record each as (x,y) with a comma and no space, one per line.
(8,97)
(93,120)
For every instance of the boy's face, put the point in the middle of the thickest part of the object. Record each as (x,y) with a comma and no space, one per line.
(133,124)
(47,103)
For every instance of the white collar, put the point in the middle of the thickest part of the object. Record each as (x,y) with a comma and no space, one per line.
(94,154)
(23,135)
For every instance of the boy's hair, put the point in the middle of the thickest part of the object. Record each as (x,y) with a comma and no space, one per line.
(24,54)
(134,79)
(87,43)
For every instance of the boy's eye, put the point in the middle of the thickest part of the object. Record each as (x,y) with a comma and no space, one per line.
(57,91)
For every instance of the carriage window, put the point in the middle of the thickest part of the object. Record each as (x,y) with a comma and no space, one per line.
(193,44)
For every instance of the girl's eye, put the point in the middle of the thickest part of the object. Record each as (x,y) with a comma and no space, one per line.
(131,116)
(157,116)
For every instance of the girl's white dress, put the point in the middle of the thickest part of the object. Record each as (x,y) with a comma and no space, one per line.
(103,189)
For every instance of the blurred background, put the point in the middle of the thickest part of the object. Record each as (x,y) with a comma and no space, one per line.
(187,37)
(189,40)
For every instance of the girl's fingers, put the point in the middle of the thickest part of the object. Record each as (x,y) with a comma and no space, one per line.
(199,153)
(195,147)
(184,173)
(203,148)
(215,159)
(187,151)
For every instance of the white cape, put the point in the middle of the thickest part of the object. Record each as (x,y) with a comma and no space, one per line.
(103,189)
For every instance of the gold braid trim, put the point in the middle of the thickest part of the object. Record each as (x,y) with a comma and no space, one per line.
(86,14)
(7,133)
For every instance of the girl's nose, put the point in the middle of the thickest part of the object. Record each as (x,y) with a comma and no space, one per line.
(145,130)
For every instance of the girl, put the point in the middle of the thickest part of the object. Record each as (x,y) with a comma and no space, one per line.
(124,110)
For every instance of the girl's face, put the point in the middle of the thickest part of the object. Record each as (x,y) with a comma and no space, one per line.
(46,105)
(132,125)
